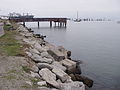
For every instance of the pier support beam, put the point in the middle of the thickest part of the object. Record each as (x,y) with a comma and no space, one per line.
(55,24)
(38,25)
(24,24)
(50,23)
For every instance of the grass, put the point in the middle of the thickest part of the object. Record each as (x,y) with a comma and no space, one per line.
(26,69)
(9,45)
(7,27)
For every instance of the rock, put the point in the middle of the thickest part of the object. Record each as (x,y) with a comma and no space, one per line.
(54,89)
(69,64)
(34,51)
(60,74)
(29,54)
(84,79)
(35,75)
(29,41)
(44,65)
(45,54)
(39,47)
(42,83)
(35,69)
(27,35)
(69,80)
(49,77)
(63,50)
(36,58)
(43,88)
(72,86)
(56,64)
(29,83)
(46,60)
(56,54)
(73,77)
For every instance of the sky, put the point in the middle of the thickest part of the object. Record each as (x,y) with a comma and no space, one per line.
(63,8)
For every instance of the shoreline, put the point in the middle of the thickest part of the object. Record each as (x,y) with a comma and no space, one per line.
(52,66)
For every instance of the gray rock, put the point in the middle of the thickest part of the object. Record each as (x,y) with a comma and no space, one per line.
(56,54)
(29,54)
(69,64)
(34,51)
(56,64)
(42,83)
(46,60)
(45,54)
(29,83)
(35,69)
(29,41)
(84,79)
(60,74)
(69,80)
(39,47)
(72,86)
(64,51)
(49,77)
(27,35)
(36,57)
(44,65)
(35,75)
(43,88)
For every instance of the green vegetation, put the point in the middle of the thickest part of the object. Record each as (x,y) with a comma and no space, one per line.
(9,45)
(7,27)
(26,69)
(9,77)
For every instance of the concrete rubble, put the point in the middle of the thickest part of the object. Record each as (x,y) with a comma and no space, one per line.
(53,63)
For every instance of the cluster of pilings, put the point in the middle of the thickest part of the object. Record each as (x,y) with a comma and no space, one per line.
(56,24)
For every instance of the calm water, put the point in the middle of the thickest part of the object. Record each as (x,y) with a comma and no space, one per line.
(97,44)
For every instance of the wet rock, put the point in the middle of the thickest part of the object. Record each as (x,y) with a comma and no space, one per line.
(60,74)
(44,65)
(56,64)
(69,64)
(56,54)
(84,79)
(72,86)
(49,77)
(64,51)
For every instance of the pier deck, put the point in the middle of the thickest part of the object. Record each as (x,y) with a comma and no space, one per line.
(62,22)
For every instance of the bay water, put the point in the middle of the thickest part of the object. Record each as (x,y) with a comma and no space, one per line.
(97,44)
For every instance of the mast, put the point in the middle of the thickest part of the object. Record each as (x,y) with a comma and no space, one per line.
(77,15)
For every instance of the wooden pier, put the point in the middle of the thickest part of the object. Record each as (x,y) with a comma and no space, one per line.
(58,22)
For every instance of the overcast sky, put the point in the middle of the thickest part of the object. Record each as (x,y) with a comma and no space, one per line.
(66,8)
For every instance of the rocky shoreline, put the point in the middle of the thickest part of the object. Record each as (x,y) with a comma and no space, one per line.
(52,65)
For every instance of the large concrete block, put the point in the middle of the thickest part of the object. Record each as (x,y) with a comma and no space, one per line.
(56,54)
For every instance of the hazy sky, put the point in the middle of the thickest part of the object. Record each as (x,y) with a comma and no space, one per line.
(62,7)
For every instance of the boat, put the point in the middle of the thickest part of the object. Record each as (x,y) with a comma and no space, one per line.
(19,16)
(77,20)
